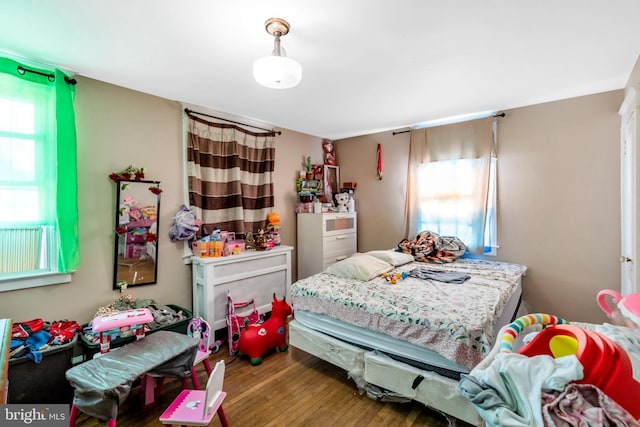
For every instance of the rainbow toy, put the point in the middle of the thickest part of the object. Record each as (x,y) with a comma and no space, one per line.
(521,323)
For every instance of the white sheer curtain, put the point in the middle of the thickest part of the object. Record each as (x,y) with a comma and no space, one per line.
(448,181)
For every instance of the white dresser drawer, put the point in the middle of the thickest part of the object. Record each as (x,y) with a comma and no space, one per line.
(342,244)
(338,223)
(324,239)
(332,260)
(241,266)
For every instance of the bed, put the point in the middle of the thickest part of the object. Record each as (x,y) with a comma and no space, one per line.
(410,339)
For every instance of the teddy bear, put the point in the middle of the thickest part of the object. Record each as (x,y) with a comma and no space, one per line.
(342,201)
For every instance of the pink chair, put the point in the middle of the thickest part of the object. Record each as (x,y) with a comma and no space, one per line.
(197,407)
(199,328)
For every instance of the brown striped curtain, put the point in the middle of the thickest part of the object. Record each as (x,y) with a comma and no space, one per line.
(230,172)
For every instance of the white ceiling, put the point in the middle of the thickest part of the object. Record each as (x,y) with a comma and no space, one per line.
(368,65)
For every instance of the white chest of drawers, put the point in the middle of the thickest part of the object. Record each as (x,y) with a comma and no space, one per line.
(324,239)
(251,274)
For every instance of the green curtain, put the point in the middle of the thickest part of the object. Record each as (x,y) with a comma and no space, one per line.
(66,221)
(67,183)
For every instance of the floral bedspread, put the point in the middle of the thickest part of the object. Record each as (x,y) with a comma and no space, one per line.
(455,320)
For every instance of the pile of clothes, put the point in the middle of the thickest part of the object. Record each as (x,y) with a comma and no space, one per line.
(431,247)
(31,338)
(541,390)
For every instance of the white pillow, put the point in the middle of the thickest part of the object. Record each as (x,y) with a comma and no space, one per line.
(360,267)
(392,257)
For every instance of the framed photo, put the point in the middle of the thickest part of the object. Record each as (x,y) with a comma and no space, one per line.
(311,185)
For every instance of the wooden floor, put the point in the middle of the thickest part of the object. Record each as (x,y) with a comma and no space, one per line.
(291,388)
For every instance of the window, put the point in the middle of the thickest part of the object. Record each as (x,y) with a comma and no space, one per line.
(38,206)
(446,200)
(451,185)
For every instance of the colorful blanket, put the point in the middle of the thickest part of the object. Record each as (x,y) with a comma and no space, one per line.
(431,247)
(456,320)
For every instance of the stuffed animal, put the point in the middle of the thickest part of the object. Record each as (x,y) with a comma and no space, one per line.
(342,201)
(256,339)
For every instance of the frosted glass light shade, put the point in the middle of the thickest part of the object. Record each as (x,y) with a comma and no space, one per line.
(277,72)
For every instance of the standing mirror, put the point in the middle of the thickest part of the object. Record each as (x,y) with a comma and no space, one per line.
(136,241)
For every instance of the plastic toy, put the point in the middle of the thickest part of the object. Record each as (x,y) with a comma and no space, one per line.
(113,324)
(197,407)
(626,311)
(394,278)
(273,218)
(273,228)
(240,314)
(256,339)
(605,364)
(199,328)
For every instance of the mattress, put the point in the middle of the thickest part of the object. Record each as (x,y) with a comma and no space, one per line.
(448,326)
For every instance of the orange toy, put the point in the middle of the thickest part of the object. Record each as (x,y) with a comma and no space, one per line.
(273,218)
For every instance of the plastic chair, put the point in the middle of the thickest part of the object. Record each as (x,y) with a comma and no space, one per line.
(197,407)
(199,328)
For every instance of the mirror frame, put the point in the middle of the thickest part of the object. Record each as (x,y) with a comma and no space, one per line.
(121,230)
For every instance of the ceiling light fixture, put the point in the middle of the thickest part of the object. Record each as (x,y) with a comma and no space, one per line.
(277,71)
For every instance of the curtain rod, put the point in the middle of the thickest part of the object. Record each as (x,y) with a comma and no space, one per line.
(188,111)
(405,131)
(51,77)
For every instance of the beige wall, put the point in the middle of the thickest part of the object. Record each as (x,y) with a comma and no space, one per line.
(118,127)
(558,190)
(379,203)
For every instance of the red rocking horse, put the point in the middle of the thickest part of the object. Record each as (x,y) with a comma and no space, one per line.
(256,339)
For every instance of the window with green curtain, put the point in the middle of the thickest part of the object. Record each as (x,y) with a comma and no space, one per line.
(38,176)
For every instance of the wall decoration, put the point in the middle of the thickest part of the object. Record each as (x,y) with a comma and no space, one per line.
(379,163)
(136,230)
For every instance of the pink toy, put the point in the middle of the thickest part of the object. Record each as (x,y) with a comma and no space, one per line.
(628,308)
(199,328)
(197,407)
(114,324)
(256,339)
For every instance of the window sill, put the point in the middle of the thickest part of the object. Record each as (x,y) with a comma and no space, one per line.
(491,250)
(16,283)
